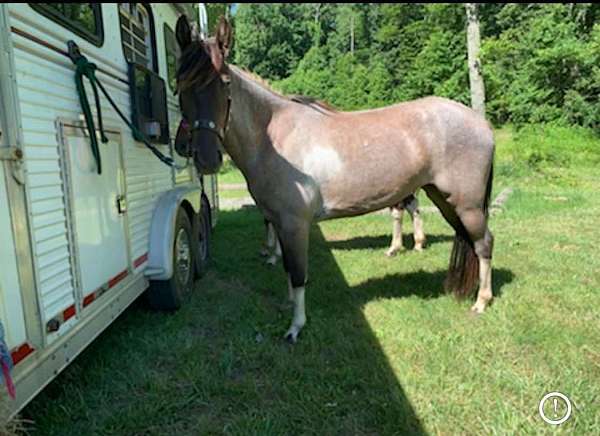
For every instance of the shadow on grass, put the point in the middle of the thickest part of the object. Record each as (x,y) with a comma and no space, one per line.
(220,365)
(338,351)
(383,241)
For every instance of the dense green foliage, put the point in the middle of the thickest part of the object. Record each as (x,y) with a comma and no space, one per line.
(541,62)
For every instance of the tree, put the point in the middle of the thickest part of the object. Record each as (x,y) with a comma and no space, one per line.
(272,39)
(473,44)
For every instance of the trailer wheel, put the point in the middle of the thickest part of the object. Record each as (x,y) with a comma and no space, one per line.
(204,233)
(168,294)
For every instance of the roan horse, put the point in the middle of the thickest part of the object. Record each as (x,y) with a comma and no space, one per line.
(305,163)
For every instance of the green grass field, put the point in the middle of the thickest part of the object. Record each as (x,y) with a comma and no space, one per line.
(384,351)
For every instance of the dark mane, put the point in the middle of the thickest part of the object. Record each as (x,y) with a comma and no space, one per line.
(195,66)
(313,103)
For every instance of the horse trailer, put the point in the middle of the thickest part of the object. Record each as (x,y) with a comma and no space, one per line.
(84,229)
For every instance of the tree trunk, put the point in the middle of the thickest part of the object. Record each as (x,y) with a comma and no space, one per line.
(475,76)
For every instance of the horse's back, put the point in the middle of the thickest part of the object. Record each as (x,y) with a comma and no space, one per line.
(367,160)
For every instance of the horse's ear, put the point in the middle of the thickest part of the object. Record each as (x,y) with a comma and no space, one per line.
(222,42)
(183,32)
(224,36)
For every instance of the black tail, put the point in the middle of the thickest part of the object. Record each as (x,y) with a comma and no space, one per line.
(463,270)
(488,190)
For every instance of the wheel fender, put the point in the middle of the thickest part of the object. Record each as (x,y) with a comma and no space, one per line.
(162,230)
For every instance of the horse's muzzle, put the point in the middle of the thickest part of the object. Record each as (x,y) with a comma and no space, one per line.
(208,166)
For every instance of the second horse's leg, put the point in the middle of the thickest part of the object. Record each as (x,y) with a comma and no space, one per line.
(397,212)
(269,240)
(272,260)
(412,206)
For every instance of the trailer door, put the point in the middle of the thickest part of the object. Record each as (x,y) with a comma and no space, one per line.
(97,211)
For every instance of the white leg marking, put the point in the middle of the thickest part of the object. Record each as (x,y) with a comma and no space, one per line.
(299,315)
(269,241)
(418,231)
(484,295)
(290,290)
(270,235)
(273,259)
(415,216)
(396,245)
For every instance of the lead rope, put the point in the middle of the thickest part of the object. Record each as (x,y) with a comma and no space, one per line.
(88,69)
(83,68)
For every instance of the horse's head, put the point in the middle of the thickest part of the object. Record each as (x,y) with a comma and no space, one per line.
(204,96)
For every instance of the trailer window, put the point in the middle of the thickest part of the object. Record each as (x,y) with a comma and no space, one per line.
(172,52)
(137,34)
(84,19)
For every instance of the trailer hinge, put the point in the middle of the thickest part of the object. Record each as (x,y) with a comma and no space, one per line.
(14,155)
(11,153)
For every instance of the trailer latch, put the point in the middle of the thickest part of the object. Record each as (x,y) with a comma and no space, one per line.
(121,204)
(11,153)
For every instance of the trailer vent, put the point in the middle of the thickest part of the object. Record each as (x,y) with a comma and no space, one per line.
(149,104)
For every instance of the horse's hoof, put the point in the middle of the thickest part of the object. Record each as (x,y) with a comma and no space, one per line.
(478,308)
(418,248)
(291,335)
(391,252)
(264,252)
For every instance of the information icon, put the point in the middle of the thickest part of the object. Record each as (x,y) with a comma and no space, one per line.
(555,408)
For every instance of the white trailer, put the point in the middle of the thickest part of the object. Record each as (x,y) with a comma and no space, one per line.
(78,246)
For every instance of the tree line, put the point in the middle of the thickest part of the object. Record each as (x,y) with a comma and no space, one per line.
(540,62)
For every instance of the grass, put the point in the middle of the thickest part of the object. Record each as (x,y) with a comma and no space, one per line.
(229,174)
(233,193)
(384,351)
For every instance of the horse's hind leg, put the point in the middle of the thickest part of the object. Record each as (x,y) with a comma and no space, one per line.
(475,222)
(396,245)
(412,206)
(472,250)
(293,235)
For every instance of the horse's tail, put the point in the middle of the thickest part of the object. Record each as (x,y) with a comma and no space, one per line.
(488,190)
(463,270)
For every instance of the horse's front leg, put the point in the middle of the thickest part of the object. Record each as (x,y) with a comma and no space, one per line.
(293,235)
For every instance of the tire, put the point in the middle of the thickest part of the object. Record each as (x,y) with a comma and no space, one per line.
(168,295)
(203,238)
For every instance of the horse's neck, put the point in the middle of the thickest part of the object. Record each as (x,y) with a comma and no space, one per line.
(253,106)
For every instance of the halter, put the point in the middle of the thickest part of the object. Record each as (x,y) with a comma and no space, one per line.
(210,125)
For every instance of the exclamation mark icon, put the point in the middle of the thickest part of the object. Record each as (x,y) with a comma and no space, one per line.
(556,407)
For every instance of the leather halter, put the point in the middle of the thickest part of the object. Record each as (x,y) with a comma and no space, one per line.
(210,125)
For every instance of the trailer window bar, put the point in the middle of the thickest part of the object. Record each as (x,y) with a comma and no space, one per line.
(137,34)
(172,55)
(83,19)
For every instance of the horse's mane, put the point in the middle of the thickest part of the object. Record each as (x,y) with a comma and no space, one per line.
(318,105)
(195,66)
